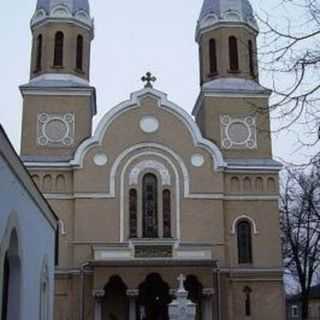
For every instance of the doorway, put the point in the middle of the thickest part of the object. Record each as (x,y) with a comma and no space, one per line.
(154,299)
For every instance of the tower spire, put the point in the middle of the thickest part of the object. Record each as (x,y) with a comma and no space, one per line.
(215,12)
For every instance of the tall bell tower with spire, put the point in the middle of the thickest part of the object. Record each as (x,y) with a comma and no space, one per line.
(232,108)
(59,102)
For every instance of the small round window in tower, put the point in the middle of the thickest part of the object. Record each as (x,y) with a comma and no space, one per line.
(238,132)
(149,124)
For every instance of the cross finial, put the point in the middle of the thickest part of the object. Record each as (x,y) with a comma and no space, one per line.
(148,78)
(181,280)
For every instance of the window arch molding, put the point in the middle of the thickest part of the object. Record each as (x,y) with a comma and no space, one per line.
(241,218)
(154,165)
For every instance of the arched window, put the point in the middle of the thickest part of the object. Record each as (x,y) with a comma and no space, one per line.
(39,54)
(244,242)
(150,206)
(58,49)
(44,294)
(133,208)
(166,198)
(213,56)
(233,54)
(251,56)
(247,291)
(79,57)
(5,287)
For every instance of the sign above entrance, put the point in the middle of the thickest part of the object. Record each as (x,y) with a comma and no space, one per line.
(153,251)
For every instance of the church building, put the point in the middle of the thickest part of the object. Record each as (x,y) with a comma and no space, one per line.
(153,192)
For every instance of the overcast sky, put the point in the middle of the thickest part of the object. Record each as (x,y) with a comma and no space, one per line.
(131,37)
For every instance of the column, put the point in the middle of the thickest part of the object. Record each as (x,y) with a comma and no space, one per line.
(98,300)
(132,295)
(207,303)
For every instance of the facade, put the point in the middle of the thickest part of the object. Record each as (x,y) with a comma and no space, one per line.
(27,242)
(294,309)
(154,192)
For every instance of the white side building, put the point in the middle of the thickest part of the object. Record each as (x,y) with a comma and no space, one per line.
(28,229)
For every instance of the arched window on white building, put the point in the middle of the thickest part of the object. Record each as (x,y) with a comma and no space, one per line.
(44,293)
(11,280)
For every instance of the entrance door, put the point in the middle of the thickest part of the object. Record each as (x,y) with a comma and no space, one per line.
(153,299)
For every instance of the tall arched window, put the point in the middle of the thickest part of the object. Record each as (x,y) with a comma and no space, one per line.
(58,49)
(244,242)
(39,54)
(213,56)
(150,206)
(133,208)
(166,198)
(247,306)
(5,288)
(233,54)
(251,57)
(79,57)
(44,294)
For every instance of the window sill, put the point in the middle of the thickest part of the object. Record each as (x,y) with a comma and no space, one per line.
(152,241)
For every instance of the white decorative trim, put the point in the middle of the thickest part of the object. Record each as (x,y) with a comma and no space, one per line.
(207,25)
(163,102)
(232,15)
(197,160)
(244,217)
(230,168)
(100,159)
(246,121)
(86,92)
(38,16)
(59,77)
(60,11)
(212,196)
(62,227)
(66,119)
(83,16)
(150,164)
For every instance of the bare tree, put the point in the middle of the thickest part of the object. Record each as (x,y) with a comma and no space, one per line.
(300,225)
(291,52)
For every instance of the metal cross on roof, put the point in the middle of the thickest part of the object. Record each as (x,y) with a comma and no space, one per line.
(148,78)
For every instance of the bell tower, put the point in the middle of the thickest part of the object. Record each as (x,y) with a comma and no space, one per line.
(232,106)
(59,102)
